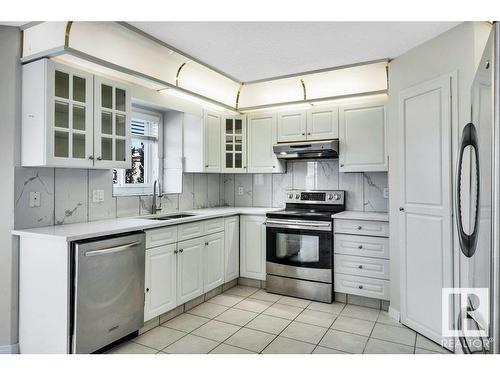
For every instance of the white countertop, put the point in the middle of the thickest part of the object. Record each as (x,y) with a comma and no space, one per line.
(80,231)
(361,215)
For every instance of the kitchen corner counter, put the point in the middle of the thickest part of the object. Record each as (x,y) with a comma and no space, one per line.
(92,229)
(361,215)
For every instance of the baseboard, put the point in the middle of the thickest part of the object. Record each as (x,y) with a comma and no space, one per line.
(9,349)
(393,313)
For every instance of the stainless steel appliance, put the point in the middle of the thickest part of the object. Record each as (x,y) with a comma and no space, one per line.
(299,245)
(477,211)
(108,291)
(307,150)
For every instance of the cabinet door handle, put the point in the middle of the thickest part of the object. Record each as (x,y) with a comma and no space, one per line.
(360,267)
(303,133)
(360,227)
(342,165)
(206,243)
(360,287)
(360,247)
(175,251)
(308,133)
(91,157)
(99,158)
(181,250)
(147,290)
(401,209)
(206,166)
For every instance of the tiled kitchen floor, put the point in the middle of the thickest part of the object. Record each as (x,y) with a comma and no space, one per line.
(250,320)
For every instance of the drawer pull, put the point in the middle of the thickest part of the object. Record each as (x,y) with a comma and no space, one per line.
(206,243)
(175,251)
(360,267)
(360,287)
(360,227)
(181,250)
(360,247)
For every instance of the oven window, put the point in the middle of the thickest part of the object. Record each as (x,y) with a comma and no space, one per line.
(297,248)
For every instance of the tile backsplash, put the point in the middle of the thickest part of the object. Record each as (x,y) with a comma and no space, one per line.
(66,194)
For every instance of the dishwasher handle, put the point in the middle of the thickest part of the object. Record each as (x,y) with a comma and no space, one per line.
(111,250)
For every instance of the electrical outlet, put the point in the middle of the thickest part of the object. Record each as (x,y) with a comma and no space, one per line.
(97,196)
(35,198)
(386,193)
(241,191)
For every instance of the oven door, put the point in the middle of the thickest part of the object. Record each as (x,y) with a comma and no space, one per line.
(300,248)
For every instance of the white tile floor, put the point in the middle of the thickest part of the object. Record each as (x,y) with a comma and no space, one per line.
(246,320)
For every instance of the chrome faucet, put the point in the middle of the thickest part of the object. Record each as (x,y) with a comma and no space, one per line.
(155,208)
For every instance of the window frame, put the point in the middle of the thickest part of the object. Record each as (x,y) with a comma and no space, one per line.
(123,189)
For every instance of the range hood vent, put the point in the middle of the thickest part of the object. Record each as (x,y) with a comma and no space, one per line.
(308,150)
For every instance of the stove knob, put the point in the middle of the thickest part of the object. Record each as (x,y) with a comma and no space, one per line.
(297,196)
(330,197)
(290,196)
(336,196)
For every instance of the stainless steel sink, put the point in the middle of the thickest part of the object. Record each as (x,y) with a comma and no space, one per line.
(172,216)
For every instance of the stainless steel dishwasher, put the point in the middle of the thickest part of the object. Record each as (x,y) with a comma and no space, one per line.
(108,291)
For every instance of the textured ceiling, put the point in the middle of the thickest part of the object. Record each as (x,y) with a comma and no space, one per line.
(256,50)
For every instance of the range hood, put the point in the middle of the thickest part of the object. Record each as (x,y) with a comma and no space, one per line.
(307,150)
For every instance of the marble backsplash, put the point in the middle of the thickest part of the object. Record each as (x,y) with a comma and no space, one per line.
(66,194)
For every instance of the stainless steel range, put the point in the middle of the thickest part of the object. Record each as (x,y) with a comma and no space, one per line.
(299,248)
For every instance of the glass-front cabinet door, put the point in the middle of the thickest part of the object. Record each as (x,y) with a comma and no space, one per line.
(70,121)
(112,124)
(234,144)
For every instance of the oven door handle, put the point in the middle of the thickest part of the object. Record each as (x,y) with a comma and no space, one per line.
(296,224)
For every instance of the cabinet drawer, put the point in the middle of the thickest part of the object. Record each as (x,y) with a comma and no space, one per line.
(361,266)
(361,286)
(375,247)
(161,236)
(214,225)
(190,230)
(362,227)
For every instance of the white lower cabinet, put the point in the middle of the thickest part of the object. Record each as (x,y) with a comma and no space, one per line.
(160,282)
(231,248)
(213,261)
(253,247)
(190,269)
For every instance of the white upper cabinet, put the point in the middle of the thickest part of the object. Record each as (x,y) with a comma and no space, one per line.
(112,116)
(203,143)
(57,116)
(292,126)
(322,123)
(362,137)
(234,144)
(318,123)
(261,137)
(69,122)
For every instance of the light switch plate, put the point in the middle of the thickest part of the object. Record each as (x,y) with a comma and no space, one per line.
(386,193)
(241,190)
(35,198)
(97,196)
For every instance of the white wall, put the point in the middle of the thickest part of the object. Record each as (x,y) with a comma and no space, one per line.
(10,120)
(459,49)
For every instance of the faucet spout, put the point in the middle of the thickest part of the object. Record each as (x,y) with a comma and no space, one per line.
(155,206)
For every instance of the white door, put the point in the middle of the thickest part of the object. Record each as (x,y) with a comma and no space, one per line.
(231,248)
(253,247)
(362,138)
(234,145)
(261,138)
(70,127)
(425,213)
(322,123)
(213,256)
(189,270)
(112,117)
(160,282)
(292,126)
(212,134)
